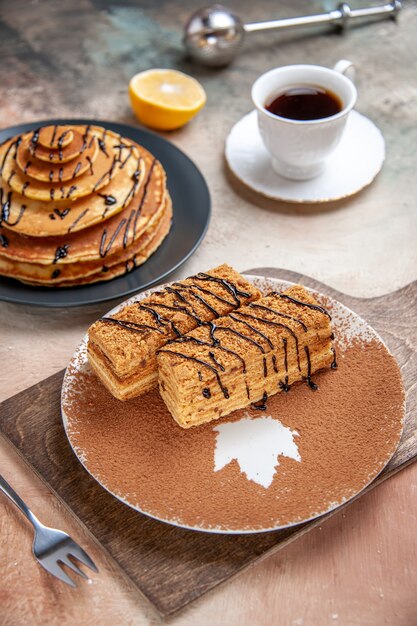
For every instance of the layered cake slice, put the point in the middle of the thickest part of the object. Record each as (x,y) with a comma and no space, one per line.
(248,355)
(122,348)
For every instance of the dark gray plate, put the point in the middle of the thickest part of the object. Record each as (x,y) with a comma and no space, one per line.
(191,204)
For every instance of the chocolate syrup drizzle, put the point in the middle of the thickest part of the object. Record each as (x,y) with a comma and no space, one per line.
(34,140)
(85,138)
(102,146)
(204,364)
(176,307)
(275,312)
(261,405)
(76,170)
(183,287)
(62,214)
(130,152)
(283,385)
(126,233)
(54,134)
(232,289)
(310,383)
(108,200)
(128,325)
(200,342)
(104,250)
(90,163)
(78,219)
(61,252)
(334,362)
(107,175)
(215,361)
(5,201)
(253,329)
(315,307)
(14,144)
(157,316)
(182,304)
(278,324)
(130,264)
(5,206)
(134,187)
(60,143)
(133,218)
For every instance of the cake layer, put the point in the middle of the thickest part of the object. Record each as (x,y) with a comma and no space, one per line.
(122,349)
(243,358)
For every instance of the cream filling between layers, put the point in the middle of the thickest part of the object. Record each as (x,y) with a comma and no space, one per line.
(137,383)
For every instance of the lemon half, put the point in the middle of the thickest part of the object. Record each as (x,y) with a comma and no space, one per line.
(165,99)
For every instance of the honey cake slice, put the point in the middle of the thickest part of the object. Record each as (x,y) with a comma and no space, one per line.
(241,359)
(122,348)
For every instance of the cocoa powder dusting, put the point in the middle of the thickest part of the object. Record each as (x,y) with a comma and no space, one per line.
(348,430)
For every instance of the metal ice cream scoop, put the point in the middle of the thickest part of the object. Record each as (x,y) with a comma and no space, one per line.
(214,34)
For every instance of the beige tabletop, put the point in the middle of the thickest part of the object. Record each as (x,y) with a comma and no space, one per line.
(75,59)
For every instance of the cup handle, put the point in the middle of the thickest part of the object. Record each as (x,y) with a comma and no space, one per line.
(345,67)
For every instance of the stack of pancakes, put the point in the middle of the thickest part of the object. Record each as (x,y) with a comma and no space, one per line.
(78,204)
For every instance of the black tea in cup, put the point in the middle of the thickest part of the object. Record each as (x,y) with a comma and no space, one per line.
(305,102)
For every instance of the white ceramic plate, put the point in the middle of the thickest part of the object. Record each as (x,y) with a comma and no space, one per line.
(353,165)
(141,455)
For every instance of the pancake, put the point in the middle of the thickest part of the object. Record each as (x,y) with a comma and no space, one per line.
(101,240)
(52,171)
(70,143)
(125,267)
(62,275)
(113,157)
(40,219)
(53,137)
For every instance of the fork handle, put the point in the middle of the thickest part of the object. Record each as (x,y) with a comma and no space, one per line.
(17,500)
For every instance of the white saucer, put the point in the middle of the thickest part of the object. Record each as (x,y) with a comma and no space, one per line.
(352,166)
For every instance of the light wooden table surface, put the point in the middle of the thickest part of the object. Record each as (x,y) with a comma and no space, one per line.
(69,59)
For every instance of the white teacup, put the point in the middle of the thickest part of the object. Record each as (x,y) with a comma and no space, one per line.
(299,149)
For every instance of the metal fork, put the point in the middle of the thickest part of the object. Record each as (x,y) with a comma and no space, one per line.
(51,548)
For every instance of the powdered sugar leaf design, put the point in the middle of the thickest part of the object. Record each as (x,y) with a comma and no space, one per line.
(256,444)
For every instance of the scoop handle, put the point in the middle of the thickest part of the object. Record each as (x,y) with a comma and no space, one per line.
(340,17)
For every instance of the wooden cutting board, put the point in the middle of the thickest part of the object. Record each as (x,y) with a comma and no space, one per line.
(170,566)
